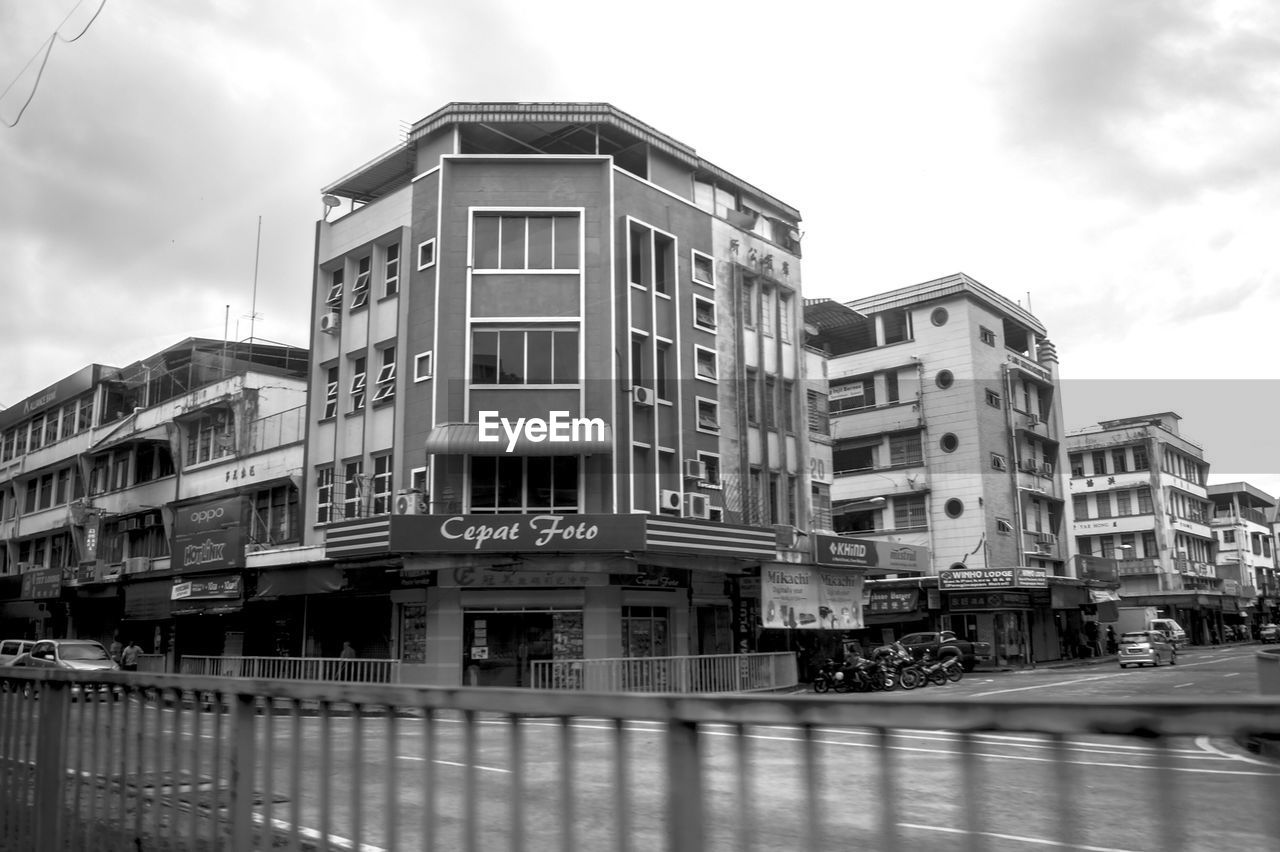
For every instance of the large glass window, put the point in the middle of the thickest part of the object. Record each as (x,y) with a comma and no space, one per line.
(381,485)
(644,631)
(524,356)
(275,517)
(210,436)
(533,241)
(324,494)
(520,484)
(353,490)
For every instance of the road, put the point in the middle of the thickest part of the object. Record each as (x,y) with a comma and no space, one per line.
(1018,792)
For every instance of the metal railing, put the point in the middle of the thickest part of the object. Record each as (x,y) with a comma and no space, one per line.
(277,430)
(702,674)
(294,668)
(179,762)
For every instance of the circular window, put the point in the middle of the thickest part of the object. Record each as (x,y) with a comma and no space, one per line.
(939,316)
(944,379)
(949,442)
(954,508)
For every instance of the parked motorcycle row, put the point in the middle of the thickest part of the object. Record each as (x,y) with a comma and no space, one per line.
(891,667)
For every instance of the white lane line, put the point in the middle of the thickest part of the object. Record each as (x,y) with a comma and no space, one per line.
(1232,674)
(1044,685)
(1206,744)
(332,840)
(455,763)
(1022,838)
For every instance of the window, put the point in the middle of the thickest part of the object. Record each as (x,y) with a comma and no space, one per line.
(993,398)
(357,384)
(703,269)
(334,299)
(46,487)
(949,442)
(1228,536)
(704,313)
(705,363)
(773,500)
(524,357)
(519,484)
(819,419)
(897,325)
(37,432)
(1149,548)
(422,366)
(391,270)
(664,263)
(210,436)
(1077,464)
(426,254)
(944,379)
(1108,545)
(939,316)
(84,418)
(788,407)
(1144,500)
(360,289)
(60,486)
(324,494)
(525,242)
(986,335)
(381,485)
(275,517)
(784,317)
(849,457)
(905,450)
(51,428)
(353,490)
(998,462)
(1080,507)
(710,461)
(1124,503)
(1104,505)
(637,361)
(749,303)
(386,381)
(1099,459)
(954,508)
(1118,462)
(708,415)
(1004,526)
(68,420)
(909,512)
(1140,461)
(852,394)
(330,393)
(753,407)
(661,382)
(766,311)
(770,403)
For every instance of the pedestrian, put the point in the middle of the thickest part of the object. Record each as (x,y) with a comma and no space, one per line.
(1091,635)
(115,649)
(1113,644)
(129,657)
(346,667)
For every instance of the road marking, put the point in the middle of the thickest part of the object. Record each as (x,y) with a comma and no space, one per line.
(1180,685)
(311,834)
(455,763)
(1043,685)
(1207,745)
(1232,674)
(1038,841)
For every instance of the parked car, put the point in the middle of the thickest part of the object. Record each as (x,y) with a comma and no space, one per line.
(11,649)
(1146,647)
(1269,633)
(84,655)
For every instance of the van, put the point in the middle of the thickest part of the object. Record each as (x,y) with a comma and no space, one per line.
(11,649)
(1170,628)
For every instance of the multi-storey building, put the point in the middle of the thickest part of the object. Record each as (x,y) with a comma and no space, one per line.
(132,499)
(1246,562)
(946,422)
(1139,496)
(558,396)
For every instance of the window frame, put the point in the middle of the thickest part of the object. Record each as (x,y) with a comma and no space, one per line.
(385,382)
(703,300)
(701,354)
(420,375)
(694,257)
(427,248)
(527,213)
(699,402)
(524,330)
(358,393)
(390,269)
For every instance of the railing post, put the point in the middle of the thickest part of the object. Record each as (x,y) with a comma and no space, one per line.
(242,772)
(51,763)
(684,787)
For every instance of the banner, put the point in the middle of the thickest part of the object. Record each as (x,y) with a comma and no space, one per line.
(798,597)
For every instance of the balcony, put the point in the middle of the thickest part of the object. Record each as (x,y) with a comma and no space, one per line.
(277,430)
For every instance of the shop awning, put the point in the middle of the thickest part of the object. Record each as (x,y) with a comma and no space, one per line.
(210,606)
(278,582)
(459,439)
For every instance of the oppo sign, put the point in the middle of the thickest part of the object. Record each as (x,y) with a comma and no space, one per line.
(204,517)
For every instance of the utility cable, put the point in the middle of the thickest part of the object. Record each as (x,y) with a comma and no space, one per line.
(47,49)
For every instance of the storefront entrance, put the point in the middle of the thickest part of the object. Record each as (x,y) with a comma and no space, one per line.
(498,646)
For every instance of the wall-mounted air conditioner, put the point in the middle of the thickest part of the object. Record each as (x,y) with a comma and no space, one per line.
(697,506)
(408,503)
(1033,419)
(642,395)
(1042,547)
(1046,538)
(137,564)
(695,469)
(330,322)
(1031,465)
(1046,468)
(670,500)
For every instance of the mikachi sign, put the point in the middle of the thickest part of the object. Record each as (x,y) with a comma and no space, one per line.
(803,598)
(517,533)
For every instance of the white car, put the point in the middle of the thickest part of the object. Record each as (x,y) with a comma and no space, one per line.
(1146,648)
(1269,633)
(11,649)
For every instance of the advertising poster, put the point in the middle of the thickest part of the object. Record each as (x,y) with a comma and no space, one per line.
(798,597)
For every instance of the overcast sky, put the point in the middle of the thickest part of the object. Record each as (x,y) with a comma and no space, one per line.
(1113,166)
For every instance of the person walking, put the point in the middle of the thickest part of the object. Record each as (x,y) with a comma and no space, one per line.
(346,667)
(115,650)
(129,657)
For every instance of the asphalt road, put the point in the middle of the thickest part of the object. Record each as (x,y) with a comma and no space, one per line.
(1013,792)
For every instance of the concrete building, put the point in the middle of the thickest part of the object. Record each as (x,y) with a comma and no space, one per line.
(1246,560)
(1139,493)
(558,397)
(946,422)
(133,499)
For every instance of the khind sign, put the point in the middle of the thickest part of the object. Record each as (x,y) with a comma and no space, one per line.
(994,578)
(840,551)
(804,598)
(517,533)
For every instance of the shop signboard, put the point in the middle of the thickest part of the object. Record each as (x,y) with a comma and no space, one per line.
(972,601)
(516,533)
(887,601)
(838,551)
(209,535)
(800,597)
(56,394)
(42,584)
(993,578)
(217,587)
(653,577)
(470,577)
(745,595)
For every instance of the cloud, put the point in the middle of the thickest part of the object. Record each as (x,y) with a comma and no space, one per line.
(1155,101)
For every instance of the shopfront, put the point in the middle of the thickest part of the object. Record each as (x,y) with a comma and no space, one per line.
(998,605)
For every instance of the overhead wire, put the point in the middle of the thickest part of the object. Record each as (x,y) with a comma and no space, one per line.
(47,48)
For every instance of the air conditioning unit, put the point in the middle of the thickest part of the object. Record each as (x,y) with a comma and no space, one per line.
(1046,538)
(130,524)
(408,503)
(697,506)
(330,322)
(671,500)
(1043,547)
(1033,419)
(1047,468)
(695,469)
(137,564)
(24,567)
(1031,465)
(642,395)
(151,520)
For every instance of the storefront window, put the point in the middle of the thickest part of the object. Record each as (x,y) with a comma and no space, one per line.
(644,631)
(499,647)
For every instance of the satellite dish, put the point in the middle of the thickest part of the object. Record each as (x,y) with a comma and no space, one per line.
(330,201)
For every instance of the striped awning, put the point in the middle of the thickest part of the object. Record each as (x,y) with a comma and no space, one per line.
(682,535)
(463,439)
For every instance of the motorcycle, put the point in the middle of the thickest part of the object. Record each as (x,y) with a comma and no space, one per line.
(935,671)
(824,679)
(900,665)
(953,668)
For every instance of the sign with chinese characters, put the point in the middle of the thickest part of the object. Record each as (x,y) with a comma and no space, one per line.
(840,551)
(885,601)
(802,598)
(994,578)
(218,587)
(41,584)
(988,600)
(469,577)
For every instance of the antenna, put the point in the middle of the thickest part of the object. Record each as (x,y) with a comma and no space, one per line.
(253,305)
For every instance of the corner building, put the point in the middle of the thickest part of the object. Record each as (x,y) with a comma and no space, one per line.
(557,394)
